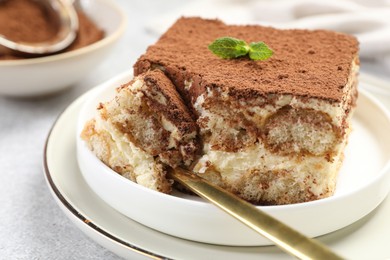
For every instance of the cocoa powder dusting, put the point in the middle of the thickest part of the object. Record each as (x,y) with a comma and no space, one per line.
(27,21)
(306,63)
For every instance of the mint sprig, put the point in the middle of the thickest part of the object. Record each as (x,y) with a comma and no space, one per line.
(230,48)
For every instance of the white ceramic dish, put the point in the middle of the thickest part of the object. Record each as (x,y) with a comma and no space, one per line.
(365,239)
(364,180)
(45,75)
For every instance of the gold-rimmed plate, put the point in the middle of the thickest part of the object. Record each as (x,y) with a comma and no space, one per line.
(130,239)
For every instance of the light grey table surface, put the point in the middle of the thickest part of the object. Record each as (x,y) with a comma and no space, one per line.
(31,224)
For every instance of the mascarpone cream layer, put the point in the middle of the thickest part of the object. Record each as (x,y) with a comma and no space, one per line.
(143,164)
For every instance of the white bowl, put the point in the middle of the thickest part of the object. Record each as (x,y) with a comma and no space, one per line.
(45,75)
(364,182)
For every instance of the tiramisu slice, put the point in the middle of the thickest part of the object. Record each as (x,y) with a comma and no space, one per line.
(143,129)
(274,131)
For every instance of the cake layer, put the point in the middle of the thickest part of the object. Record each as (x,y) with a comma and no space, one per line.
(116,151)
(285,123)
(143,129)
(262,177)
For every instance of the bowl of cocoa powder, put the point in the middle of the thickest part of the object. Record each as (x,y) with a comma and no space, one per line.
(101,23)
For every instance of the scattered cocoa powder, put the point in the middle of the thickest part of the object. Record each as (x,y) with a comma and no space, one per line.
(28,21)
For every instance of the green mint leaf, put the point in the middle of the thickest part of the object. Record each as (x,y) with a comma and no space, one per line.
(229,48)
(259,51)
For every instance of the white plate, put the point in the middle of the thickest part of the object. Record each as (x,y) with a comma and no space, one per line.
(365,239)
(364,182)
